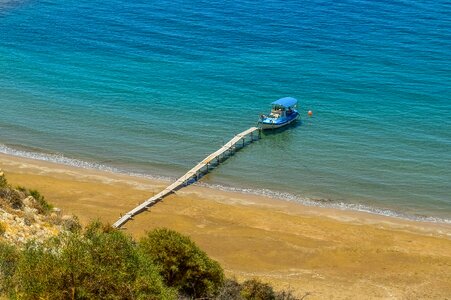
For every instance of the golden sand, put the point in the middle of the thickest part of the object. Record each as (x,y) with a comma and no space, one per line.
(327,253)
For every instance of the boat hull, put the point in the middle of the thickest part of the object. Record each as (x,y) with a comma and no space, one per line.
(269,124)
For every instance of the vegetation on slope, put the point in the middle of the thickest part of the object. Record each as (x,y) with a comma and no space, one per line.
(25,215)
(183,265)
(99,262)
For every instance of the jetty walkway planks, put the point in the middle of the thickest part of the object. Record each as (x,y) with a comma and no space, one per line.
(238,141)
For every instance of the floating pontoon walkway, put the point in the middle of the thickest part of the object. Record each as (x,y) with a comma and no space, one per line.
(195,173)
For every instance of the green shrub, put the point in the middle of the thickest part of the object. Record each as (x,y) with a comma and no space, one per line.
(99,263)
(71,224)
(182,264)
(9,257)
(115,258)
(287,295)
(254,289)
(106,265)
(231,290)
(43,206)
(149,284)
(3,181)
(13,197)
(22,189)
(38,274)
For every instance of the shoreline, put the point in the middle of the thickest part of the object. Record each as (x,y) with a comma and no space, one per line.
(154,185)
(62,160)
(324,251)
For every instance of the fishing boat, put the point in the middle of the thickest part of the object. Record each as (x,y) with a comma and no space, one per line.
(283,112)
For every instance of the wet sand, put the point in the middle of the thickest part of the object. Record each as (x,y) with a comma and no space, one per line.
(327,253)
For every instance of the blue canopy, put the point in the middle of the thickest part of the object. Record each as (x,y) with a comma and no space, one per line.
(285,102)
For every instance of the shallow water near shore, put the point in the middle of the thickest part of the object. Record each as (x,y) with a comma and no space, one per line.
(152,88)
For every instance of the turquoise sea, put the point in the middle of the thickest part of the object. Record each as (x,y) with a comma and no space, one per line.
(152,87)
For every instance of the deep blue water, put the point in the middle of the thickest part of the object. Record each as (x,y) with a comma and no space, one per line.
(152,87)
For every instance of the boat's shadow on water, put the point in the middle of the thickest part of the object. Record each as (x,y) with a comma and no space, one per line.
(269,132)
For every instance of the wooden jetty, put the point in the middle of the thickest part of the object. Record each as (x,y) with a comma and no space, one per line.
(193,175)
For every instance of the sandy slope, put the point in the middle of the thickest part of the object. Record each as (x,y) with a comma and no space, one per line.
(327,253)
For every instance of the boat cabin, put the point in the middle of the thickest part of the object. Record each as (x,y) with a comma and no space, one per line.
(283,107)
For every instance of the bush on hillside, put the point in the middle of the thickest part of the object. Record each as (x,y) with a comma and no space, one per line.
(123,271)
(40,203)
(231,290)
(3,181)
(254,289)
(9,257)
(287,295)
(38,274)
(98,263)
(43,206)
(182,264)
(71,224)
(13,197)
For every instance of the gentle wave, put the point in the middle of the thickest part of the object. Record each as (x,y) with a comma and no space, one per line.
(63,160)
(326,203)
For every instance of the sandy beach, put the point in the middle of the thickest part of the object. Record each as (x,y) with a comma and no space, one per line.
(328,253)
